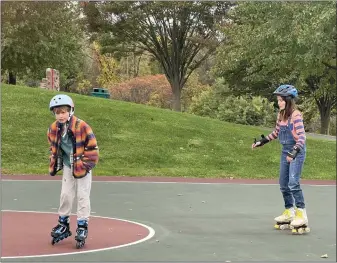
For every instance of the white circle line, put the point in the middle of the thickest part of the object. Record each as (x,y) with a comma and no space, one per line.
(149,236)
(153,182)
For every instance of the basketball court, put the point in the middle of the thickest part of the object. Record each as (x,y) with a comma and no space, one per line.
(167,219)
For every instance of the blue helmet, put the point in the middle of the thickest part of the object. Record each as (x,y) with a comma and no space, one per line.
(62,100)
(286,90)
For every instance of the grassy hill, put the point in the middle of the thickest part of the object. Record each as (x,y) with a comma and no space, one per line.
(137,140)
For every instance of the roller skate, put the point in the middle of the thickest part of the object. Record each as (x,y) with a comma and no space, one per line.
(61,231)
(300,223)
(81,233)
(283,221)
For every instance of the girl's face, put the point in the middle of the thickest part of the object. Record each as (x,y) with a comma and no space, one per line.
(281,103)
(62,115)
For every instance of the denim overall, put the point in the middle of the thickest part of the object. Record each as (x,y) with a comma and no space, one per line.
(290,173)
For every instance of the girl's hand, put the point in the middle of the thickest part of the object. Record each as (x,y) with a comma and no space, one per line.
(254,145)
(289,159)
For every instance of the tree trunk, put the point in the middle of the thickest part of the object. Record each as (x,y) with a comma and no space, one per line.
(176,103)
(325,101)
(324,111)
(11,78)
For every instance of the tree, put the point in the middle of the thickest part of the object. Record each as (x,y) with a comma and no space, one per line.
(107,67)
(180,35)
(38,35)
(274,43)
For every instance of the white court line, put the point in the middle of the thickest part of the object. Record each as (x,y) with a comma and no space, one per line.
(149,236)
(150,182)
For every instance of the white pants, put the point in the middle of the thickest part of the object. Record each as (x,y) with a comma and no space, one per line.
(72,186)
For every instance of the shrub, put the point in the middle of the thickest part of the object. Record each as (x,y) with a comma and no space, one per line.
(152,90)
(246,110)
(204,104)
(192,89)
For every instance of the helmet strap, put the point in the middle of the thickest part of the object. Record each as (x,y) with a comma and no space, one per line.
(71,113)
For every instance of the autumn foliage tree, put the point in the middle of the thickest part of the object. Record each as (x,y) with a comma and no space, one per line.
(108,67)
(152,90)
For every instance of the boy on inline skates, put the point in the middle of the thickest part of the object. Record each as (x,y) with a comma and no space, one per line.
(73,149)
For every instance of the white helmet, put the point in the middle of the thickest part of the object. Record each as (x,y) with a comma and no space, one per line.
(62,100)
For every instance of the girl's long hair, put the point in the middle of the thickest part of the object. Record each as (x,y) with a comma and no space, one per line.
(288,109)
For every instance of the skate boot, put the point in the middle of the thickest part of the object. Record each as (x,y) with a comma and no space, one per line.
(300,223)
(61,231)
(81,233)
(283,221)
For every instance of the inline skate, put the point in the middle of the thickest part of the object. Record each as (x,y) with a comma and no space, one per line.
(81,233)
(61,231)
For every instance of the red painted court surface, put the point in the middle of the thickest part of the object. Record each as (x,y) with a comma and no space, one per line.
(28,234)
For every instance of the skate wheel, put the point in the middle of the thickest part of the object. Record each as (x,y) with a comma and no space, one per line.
(79,244)
(53,242)
(277,226)
(294,231)
(300,231)
(307,229)
(284,227)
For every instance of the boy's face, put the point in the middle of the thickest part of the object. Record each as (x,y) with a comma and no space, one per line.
(281,103)
(62,115)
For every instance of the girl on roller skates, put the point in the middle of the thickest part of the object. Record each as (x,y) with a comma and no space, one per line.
(73,149)
(290,131)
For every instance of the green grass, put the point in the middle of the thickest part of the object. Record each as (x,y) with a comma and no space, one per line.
(136,140)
